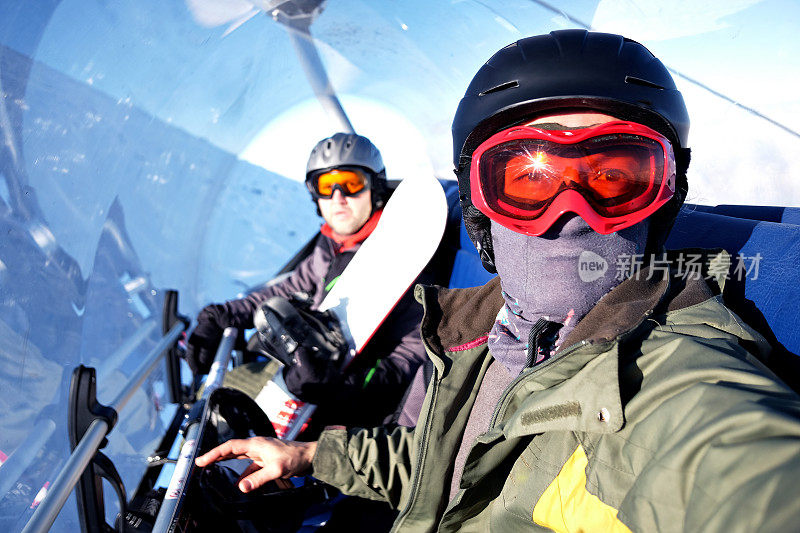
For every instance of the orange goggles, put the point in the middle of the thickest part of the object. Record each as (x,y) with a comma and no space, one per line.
(350,181)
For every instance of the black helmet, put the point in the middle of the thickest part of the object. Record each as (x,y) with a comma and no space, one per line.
(569,70)
(350,149)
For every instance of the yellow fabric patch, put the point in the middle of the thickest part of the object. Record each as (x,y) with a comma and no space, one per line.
(566,505)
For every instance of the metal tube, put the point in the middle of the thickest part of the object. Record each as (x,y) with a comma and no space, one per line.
(220,365)
(175,495)
(84,452)
(57,495)
(144,370)
(127,347)
(177,483)
(302,416)
(315,72)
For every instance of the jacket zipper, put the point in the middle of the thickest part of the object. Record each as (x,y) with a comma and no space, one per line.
(566,351)
(500,405)
(421,453)
(619,338)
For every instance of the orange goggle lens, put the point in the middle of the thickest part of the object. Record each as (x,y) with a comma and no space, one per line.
(349,181)
(616,174)
(539,172)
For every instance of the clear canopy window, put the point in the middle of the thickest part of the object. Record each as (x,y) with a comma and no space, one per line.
(149,146)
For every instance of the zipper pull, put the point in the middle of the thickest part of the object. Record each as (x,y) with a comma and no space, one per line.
(542,337)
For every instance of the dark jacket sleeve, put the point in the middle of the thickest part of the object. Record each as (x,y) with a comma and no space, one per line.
(307,277)
(408,411)
(371,388)
(397,352)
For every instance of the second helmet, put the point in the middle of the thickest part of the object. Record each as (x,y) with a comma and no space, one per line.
(351,149)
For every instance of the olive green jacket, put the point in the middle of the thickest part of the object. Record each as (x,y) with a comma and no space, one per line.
(654,416)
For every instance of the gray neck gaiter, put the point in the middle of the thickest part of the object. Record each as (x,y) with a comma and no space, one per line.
(558,276)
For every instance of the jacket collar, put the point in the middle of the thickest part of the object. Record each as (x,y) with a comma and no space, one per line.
(456,321)
(455,318)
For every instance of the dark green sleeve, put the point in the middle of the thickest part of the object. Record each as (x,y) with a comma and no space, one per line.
(746,477)
(370,463)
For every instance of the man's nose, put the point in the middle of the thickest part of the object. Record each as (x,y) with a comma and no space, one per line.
(570,174)
(338,196)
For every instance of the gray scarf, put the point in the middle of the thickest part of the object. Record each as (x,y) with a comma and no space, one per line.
(558,276)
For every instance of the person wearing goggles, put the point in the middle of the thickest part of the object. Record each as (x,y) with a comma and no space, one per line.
(344,197)
(567,394)
(345,176)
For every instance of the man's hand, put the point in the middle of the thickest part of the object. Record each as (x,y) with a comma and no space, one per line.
(201,347)
(272,459)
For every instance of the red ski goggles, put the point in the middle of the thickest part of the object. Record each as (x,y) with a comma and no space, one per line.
(612,175)
(350,181)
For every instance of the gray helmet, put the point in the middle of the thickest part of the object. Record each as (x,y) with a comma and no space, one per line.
(345,149)
(350,150)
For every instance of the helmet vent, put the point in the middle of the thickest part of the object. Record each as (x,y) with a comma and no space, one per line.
(501,87)
(639,81)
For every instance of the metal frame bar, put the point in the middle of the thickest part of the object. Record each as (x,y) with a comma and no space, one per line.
(147,367)
(308,55)
(170,315)
(150,476)
(23,457)
(297,20)
(176,490)
(47,511)
(113,361)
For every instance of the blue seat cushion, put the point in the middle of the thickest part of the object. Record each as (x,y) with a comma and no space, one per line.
(766,213)
(771,252)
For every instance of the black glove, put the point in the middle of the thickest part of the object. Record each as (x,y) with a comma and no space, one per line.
(204,340)
(311,377)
